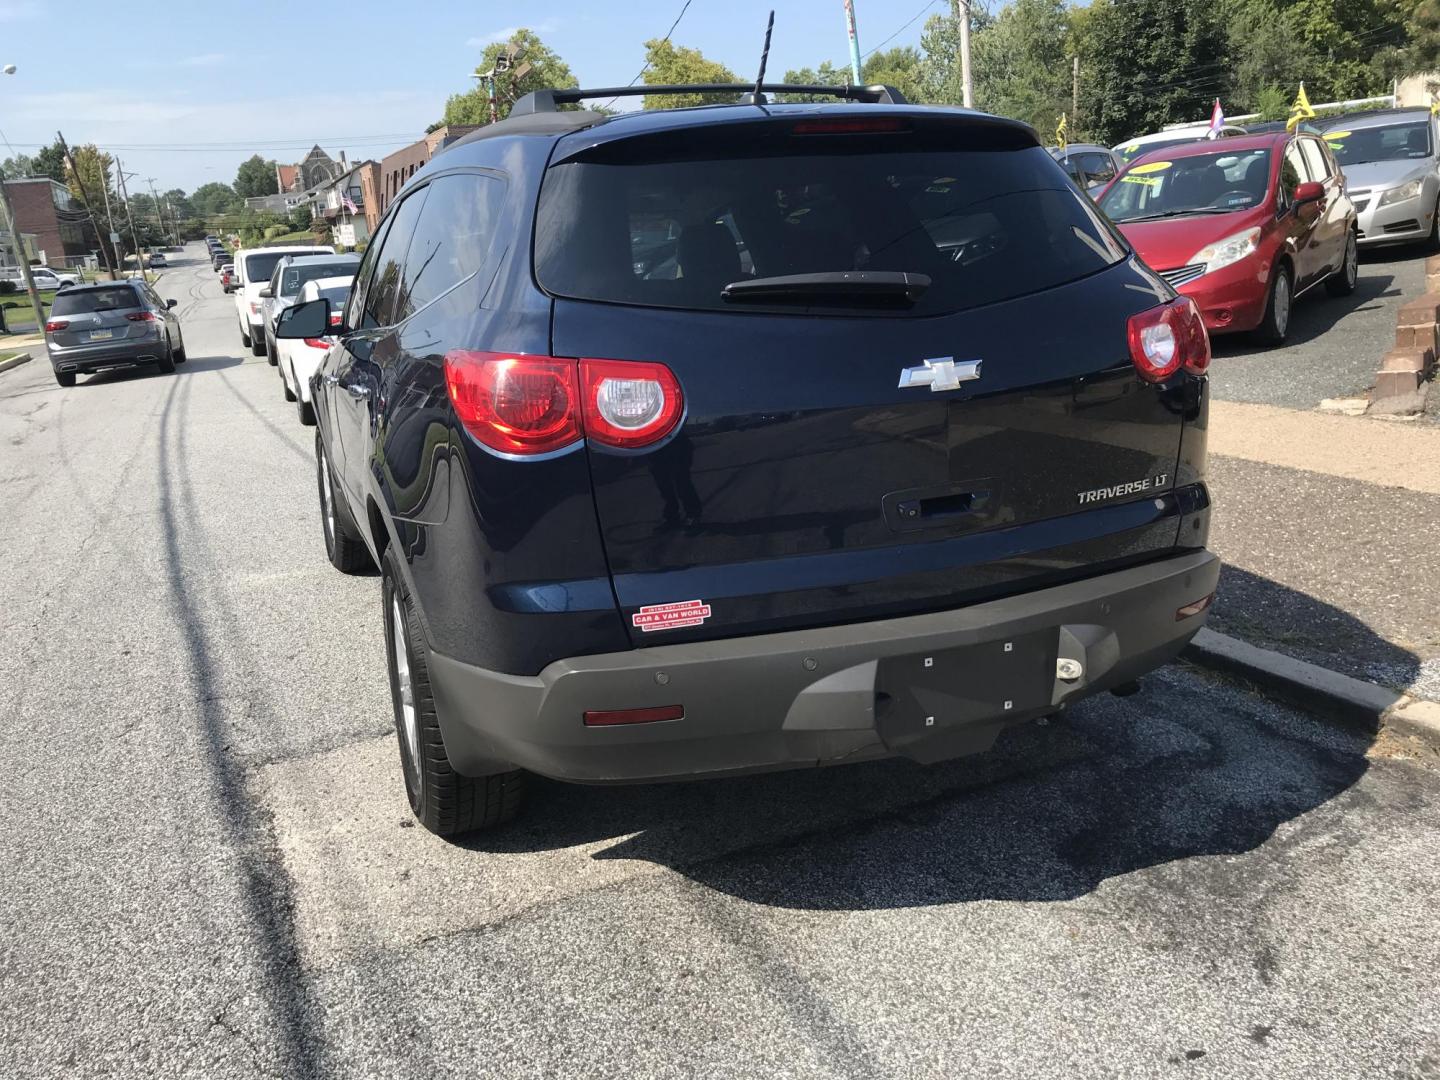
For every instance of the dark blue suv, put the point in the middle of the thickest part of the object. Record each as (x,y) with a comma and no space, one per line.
(715,440)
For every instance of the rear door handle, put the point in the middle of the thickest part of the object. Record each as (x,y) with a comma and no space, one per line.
(356,390)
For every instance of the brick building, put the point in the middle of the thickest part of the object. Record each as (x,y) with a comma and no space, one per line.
(44,208)
(403,164)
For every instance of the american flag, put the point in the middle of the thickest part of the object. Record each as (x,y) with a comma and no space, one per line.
(349,202)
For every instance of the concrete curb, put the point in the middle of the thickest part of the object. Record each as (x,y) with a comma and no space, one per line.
(1317,689)
(15,361)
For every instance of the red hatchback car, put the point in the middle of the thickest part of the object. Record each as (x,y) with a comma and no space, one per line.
(1243,226)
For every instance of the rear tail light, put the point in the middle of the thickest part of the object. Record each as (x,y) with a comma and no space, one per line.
(1167,338)
(317,342)
(254,308)
(536,404)
(335,318)
(629,403)
(610,717)
(141,316)
(849,127)
(59,324)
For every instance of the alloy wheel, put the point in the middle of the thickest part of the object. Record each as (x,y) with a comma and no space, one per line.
(405,691)
(1282,303)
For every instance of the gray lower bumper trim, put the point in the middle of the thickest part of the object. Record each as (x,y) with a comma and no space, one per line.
(809,697)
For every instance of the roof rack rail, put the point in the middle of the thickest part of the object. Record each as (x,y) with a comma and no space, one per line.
(543,101)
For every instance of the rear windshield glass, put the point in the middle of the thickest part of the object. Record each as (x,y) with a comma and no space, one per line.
(337,296)
(261,265)
(1394,142)
(984,225)
(78,303)
(292,277)
(1130,151)
(1204,184)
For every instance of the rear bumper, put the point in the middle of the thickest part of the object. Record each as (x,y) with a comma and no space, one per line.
(82,360)
(825,696)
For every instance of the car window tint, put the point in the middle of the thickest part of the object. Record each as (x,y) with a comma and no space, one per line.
(1315,161)
(389,265)
(1097,167)
(1292,172)
(984,225)
(80,303)
(295,276)
(452,238)
(365,275)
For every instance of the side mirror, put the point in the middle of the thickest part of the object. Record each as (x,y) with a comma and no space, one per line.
(1309,192)
(169,304)
(308,320)
(266,293)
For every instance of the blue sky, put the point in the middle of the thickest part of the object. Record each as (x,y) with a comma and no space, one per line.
(213,81)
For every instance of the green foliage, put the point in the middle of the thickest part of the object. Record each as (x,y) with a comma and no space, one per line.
(668,64)
(547,71)
(940,49)
(92,173)
(899,67)
(1019,64)
(214,199)
(300,219)
(256,177)
(1272,102)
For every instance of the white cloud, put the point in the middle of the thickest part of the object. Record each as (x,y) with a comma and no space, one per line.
(544,26)
(209,59)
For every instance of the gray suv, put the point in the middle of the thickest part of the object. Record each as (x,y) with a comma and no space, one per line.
(290,275)
(1390,164)
(111,325)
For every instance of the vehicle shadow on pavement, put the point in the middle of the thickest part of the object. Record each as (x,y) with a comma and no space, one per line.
(188,367)
(1191,766)
(1266,613)
(1313,314)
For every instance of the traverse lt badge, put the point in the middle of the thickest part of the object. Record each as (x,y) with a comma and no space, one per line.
(941,373)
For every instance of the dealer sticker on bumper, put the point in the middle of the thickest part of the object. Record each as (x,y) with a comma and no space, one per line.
(671,616)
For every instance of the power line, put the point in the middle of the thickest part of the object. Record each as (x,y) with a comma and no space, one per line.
(902,29)
(665,40)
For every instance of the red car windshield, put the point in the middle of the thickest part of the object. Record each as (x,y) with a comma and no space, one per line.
(1218,183)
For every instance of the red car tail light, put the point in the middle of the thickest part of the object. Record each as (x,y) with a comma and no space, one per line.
(316,342)
(1166,338)
(141,316)
(58,324)
(515,404)
(868,126)
(629,403)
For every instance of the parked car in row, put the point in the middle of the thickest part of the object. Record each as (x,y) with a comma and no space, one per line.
(111,325)
(1392,171)
(1242,226)
(253,267)
(157,260)
(291,272)
(299,359)
(1129,150)
(227,278)
(218,259)
(906,446)
(1089,165)
(43,276)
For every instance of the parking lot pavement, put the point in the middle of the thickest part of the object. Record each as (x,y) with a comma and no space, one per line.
(1335,344)
(207,867)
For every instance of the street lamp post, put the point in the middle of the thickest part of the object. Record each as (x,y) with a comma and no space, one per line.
(19,245)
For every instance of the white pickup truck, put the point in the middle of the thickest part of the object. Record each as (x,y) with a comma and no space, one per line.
(45,278)
(253,267)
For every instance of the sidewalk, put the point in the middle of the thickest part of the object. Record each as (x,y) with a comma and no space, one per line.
(1328,527)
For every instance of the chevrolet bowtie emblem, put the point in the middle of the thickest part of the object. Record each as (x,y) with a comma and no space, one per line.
(942,373)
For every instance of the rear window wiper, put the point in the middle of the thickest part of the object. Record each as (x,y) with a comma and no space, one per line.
(883,286)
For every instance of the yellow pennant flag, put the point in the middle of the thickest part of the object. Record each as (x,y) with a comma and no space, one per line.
(1060,133)
(1301,110)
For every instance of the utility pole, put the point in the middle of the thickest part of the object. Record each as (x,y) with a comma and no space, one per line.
(114,236)
(1075,95)
(130,213)
(960,10)
(85,194)
(159,213)
(854,40)
(23,259)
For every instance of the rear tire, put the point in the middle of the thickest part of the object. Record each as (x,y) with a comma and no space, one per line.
(244,335)
(285,384)
(179,354)
(166,363)
(445,802)
(65,378)
(1276,323)
(343,545)
(1342,281)
(257,345)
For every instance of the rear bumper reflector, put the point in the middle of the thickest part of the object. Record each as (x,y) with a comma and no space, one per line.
(608,717)
(1195,607)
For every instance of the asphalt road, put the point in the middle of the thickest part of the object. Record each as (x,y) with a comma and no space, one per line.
(207,868)
(1335,344)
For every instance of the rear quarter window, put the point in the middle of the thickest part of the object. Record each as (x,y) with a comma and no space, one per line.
(985,225)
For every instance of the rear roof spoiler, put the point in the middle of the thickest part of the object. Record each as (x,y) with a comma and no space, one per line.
(546,101)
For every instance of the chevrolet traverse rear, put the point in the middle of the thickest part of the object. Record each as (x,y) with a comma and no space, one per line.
(735,438)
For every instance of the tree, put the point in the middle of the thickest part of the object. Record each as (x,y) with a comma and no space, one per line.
(546,71)
(214,199)
(50,161)
(940,49)
(899,67)
(92,174)
(17,166)
(180,207)
(667,64)
(1152,62)
(256,177)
